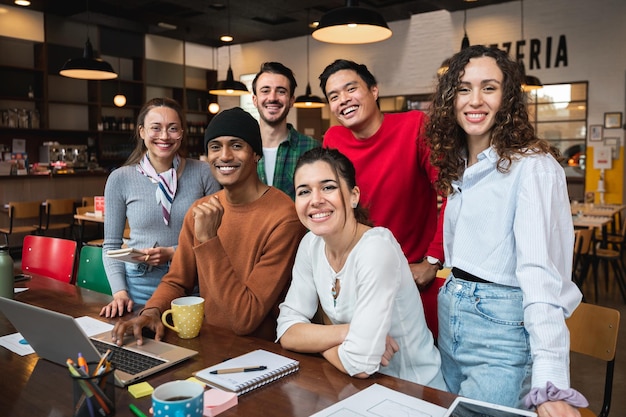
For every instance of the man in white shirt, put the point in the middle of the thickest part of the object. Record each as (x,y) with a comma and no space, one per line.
(273,94)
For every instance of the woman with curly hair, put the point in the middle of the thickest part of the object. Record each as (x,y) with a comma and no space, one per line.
(508,237)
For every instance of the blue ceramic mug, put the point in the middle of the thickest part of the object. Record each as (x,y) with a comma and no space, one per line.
(178,399)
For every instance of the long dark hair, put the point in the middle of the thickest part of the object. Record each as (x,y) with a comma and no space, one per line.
(140,146)
(512,136)
(342,168)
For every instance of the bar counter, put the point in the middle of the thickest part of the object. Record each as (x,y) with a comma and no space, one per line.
(36,387)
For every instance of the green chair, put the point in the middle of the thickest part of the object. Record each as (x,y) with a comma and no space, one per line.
(91,274)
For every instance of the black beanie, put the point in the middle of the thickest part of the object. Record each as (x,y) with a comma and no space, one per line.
(238,123)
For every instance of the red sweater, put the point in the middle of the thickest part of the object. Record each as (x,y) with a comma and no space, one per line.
(395,176)
(243,272)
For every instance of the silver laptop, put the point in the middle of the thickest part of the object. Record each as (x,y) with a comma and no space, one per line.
(57,337)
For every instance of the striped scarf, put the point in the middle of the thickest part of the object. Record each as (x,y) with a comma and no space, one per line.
(167,181)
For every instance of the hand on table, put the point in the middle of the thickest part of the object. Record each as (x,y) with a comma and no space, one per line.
(121,304)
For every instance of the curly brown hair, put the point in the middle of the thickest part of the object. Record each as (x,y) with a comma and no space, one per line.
(512,136)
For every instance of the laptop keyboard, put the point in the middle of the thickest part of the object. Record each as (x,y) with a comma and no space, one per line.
(126,360)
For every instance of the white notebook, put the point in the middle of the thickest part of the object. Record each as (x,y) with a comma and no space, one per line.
(126,255)
(276,365)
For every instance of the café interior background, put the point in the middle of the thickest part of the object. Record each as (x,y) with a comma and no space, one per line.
(580,40)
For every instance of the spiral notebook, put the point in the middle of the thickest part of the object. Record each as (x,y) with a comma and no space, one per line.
(277,366)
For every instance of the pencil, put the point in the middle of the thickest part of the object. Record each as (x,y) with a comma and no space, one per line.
(148,256)
(136,411)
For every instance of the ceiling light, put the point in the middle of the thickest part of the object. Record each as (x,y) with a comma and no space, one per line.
(529,82)
(214,108)
(164,25)
(88,67)
(352,25)
(120,99)
(229,87)
(226,38)
(308,100)
(22,3)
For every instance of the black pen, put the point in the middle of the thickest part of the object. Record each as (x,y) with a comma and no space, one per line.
(235,370)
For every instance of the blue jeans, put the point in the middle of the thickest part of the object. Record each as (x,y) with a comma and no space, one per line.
(143,279)
(485,349)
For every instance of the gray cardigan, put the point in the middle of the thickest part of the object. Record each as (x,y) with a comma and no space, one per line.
(130,194)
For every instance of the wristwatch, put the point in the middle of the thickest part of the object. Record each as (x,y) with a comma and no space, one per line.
(433,261)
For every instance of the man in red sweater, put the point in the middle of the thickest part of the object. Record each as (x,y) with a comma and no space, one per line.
(237,245)
(393,169)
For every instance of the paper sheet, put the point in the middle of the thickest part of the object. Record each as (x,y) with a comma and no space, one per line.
(380,401)
(16,343)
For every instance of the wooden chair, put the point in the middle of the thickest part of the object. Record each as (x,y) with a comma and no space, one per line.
(26,210)
(58,215)
(82,227)
(49,256)
(583,257)
(593,332)
(87,201)
(91,273)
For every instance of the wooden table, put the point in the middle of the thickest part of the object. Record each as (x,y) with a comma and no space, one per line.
(35,387)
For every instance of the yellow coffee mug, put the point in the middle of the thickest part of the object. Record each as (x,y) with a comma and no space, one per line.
(187,315)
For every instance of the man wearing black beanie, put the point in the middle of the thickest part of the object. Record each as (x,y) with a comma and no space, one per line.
(237,245)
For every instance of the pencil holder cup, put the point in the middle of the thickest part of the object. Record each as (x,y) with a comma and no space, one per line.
(94,395)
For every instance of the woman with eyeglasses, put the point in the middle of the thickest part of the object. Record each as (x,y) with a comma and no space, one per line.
(359,276)
(153,191)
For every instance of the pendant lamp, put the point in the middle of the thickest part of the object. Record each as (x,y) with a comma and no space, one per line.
(308,100)
(529,82)
(88,67)
(229,87)
(352,25)
(120,99)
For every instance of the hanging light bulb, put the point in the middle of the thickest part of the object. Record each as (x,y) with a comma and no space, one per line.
(308,100)
(229,87)
(214,108)
(120,99)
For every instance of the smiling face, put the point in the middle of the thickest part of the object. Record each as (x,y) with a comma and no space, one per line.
(232,161)
(351,101)
(273,98)
(161,133)
(478,98)
(323,201)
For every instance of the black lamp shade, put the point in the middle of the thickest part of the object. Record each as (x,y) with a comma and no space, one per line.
(229,87)
(308,100)
(87,67)
(352,25)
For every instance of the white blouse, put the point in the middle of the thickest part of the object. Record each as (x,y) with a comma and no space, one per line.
(378,297)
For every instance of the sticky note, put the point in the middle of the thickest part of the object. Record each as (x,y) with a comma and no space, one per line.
(140,390)
(196,380)
(217,401)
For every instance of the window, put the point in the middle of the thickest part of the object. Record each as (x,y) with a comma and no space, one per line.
(559,113)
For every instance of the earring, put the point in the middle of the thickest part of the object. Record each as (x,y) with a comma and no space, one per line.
(354,205)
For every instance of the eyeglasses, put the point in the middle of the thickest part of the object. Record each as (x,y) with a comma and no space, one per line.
(173,132)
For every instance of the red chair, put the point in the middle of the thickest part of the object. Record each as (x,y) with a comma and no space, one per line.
(50,257)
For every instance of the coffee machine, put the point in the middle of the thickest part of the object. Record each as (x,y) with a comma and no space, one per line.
(73,156)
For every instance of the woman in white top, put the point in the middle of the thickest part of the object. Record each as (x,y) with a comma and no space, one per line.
(361,279)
